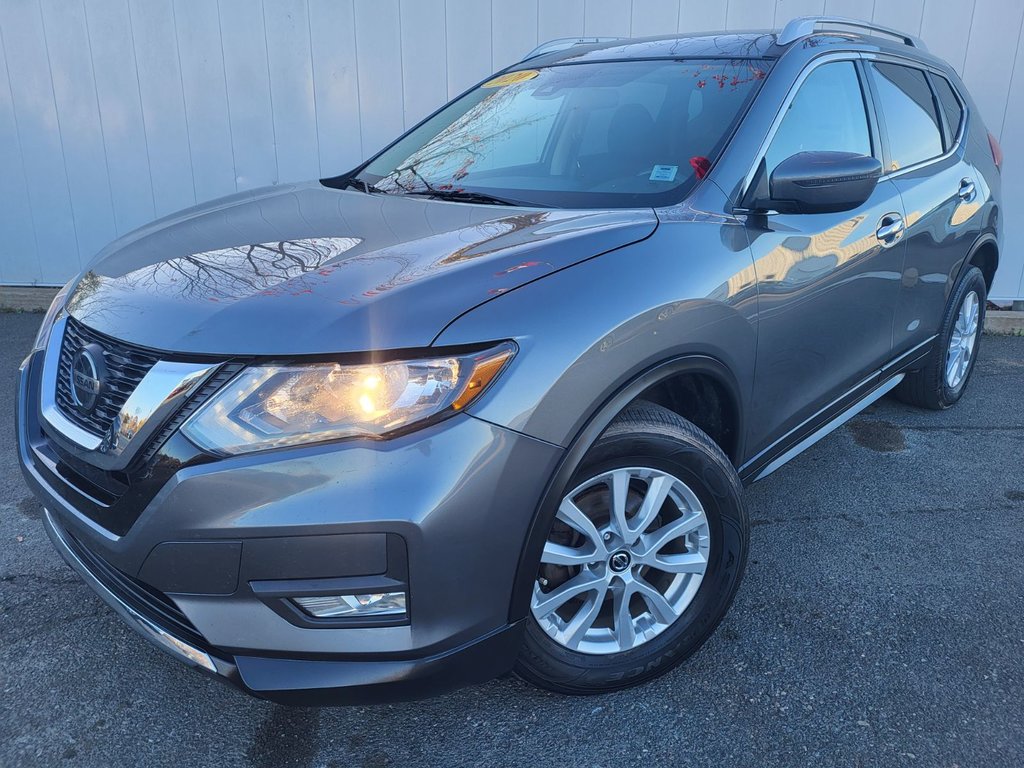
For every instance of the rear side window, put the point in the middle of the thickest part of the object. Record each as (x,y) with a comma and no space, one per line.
(826,115)
(908,108)
(950,105)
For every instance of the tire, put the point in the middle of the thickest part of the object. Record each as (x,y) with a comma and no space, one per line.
(931,387)
(661,450)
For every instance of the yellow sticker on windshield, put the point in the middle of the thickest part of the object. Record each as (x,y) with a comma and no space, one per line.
(510,78)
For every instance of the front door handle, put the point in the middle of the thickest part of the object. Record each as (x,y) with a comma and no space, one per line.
(966,191)
(890,229)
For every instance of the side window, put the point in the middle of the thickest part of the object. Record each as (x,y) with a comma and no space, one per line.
(826,115)
(950,105)
(908,107)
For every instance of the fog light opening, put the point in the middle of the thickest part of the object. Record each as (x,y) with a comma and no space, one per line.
(345,606)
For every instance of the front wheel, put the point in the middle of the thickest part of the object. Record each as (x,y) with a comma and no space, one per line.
(642,560)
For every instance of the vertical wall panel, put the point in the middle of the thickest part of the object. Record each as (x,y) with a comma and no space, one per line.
(700,16)
(154,44)
(750,14)
(905,15)
(336,85)
(74,90)
(1009,282)
(606,18)
(379,46)
(424,63)
(202,76)
(248,93)
(945,26)
(468,35)
(120,108)
(559,18)
(990,56)
(790,9)
(19,260)
(39,136)
(291,89)
(852,9)
(116,111)
(513,30)
(654,17)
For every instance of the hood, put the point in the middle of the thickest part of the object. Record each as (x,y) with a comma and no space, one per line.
(307,269)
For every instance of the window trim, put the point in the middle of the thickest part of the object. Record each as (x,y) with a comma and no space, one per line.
(928,69)
(870,113)
(955,138)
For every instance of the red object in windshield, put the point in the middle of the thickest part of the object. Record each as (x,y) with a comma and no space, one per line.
(701,165)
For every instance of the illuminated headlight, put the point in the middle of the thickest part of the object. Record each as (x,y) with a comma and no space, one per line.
(269,406)
(352,606)
(43,336)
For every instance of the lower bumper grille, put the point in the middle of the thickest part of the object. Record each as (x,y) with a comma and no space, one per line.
(149,602)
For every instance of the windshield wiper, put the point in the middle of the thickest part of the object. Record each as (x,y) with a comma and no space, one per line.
(463,196)
(365,186)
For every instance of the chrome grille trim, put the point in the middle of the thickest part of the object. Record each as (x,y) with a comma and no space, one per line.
(142,405)
(126,366)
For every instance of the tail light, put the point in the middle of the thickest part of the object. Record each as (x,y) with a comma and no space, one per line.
(997,152)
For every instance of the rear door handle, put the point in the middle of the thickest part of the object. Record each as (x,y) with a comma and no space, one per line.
(966,191)
(890,229)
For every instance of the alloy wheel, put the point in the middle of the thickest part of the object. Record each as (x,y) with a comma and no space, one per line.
(962,341)
(624,559)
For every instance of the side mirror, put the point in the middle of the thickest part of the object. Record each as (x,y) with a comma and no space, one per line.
(822,182)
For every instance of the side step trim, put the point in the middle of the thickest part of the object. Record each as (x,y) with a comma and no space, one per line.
(834,424)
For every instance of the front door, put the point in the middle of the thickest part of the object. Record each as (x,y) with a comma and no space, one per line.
(828,283)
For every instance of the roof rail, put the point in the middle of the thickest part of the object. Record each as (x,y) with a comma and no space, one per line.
(564,43)
(802,26)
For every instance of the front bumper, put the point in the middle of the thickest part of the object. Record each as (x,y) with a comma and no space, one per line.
(443,511)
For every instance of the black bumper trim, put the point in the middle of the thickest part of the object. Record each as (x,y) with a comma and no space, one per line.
(325,683)
(296,681)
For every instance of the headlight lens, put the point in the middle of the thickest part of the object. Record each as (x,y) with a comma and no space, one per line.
(270,406)
(50,318)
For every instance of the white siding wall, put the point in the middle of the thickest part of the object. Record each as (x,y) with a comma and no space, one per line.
(113,112)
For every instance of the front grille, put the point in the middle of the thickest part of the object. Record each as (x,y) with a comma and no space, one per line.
(139,596)
(126,365)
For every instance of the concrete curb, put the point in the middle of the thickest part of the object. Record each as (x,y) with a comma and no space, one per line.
(27,298)
(1003,322)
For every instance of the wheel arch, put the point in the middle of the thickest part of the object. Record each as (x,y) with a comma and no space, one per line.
(659,375)
(984,254)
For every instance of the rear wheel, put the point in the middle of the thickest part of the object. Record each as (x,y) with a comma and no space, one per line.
(642,560)
(943,380)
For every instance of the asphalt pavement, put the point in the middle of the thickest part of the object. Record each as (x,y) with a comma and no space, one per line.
(881,622)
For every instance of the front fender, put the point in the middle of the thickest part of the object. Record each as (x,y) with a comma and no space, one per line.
(585,332)
(594,336)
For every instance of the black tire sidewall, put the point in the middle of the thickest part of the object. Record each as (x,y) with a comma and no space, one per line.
(718,492)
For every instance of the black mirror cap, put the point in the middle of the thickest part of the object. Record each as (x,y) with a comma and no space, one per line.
(823,182)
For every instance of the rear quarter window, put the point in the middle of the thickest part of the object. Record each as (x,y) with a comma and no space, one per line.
(951,106)
(908,110)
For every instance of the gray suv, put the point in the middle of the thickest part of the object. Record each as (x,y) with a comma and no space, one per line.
(487,402)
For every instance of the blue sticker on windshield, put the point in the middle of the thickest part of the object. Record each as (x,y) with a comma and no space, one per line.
(664,173)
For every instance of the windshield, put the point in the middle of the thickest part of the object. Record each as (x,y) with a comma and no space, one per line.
(597,135)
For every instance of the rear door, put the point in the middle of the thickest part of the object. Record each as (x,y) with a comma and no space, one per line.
(828,283)
(922,122)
